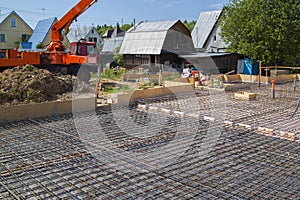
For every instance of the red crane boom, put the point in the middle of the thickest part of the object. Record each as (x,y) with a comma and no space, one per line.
(65,22)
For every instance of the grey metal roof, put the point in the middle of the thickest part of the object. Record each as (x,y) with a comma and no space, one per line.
(153,26)
(146,38)
(107,33)
(117,32)
(78,32)
(204,26)
(41,30)
(111,44)
(145,43)
(4,16)
(204,55)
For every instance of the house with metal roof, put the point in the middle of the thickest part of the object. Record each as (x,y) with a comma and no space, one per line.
(41,36)
(113,41)
(206,33)
(111,44)
(210,56)
(156,43)
(109,49)
(113,33)
(213,63)
(85,32)
(13,30)
(107,34)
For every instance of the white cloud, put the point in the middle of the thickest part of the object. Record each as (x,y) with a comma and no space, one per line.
(168,5)
(171,4)
(149,1)
(216,6)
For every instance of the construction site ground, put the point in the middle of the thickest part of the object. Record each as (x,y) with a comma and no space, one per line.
(209,146)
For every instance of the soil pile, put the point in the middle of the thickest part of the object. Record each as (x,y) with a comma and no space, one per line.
(22,85)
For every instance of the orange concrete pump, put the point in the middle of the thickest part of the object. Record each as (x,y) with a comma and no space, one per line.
(55,58)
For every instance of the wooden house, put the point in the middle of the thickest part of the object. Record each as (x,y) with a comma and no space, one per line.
(206,33)
(156,43)
(13,30)
(90,34)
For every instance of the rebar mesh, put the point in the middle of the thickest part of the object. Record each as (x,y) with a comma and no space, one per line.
(46,157)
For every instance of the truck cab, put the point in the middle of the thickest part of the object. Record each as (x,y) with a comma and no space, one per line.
(83,48)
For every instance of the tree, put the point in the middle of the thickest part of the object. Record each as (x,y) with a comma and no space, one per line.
(190,25)
(126,27)
(268,31)
(102,29)
(118,58)
(39,45)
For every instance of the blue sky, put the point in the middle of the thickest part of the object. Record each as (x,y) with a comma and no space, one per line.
(112,11)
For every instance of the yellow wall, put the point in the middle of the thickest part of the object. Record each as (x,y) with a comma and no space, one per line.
(13,34)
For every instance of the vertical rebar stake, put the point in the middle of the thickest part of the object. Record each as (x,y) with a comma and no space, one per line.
(273,89)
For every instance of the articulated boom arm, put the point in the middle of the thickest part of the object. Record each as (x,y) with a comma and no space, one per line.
(65,22)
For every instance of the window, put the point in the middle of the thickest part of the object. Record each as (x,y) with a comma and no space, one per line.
(2,37)
(93,39)
(24,37)
(13,22)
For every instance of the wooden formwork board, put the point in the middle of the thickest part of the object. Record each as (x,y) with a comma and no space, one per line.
(29,111)
(263,79)
(244,95)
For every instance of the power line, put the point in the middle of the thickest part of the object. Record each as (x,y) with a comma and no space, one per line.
(22,10)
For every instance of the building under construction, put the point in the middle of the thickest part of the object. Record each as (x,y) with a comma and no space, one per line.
(201,145)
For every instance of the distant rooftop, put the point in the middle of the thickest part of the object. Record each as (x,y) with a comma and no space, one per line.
(153,26)
(204,26)
(4,16)
(41,30)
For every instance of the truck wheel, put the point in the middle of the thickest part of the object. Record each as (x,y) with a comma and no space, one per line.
(84,74)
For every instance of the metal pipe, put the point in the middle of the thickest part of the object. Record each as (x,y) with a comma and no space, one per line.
(273,89)
(296,108)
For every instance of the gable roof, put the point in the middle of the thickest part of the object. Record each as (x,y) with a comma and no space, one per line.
(146,38)
(204,26)
(118,32)
(154,26)
(108,33)
(78,32)
(41,31)
(6,15)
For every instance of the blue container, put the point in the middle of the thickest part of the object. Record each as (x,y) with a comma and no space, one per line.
(250,66)
(26,45)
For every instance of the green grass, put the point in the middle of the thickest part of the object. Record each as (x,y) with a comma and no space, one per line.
(112,74)
(120,89)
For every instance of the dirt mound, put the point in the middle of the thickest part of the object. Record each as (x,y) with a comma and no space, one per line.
(21,85)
